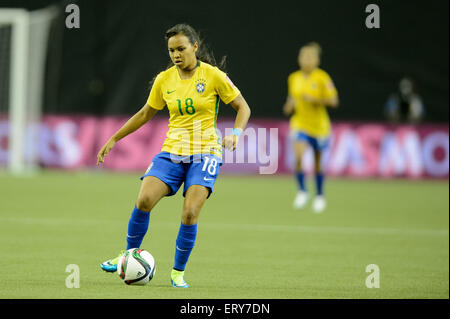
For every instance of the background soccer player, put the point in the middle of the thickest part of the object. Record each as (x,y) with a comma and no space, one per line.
(191,154)
(310,92)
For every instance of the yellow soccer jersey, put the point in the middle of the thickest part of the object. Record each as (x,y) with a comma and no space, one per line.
(308,117)
(193,107)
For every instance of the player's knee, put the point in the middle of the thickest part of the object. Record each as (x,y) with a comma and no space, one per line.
(190,215)
(145,203)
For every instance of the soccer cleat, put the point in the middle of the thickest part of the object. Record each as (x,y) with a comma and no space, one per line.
(319,204)
(301,200)
(177,279)
(111,265)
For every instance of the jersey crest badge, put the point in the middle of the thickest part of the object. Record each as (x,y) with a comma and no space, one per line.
(200,85)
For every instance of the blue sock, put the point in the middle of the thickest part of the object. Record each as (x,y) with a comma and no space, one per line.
(320,177)
(184,244)
(137,227)
(301,181)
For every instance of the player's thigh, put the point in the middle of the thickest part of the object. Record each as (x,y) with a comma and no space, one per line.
(152,190)
(195,197)
(319,147)
(300,148)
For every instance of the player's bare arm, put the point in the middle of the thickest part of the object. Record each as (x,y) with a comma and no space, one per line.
(289,106)
(144,115)
(243,114)
(331,102)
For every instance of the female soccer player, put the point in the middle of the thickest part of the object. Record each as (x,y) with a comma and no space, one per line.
(310,92)
(191,154)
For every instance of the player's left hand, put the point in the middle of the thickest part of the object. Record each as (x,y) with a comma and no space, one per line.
(230,142)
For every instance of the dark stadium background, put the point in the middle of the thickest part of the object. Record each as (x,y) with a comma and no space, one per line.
(104,67)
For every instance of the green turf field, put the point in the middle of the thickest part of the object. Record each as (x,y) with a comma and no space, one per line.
(250,244)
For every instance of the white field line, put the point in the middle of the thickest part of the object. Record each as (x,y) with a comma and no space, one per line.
(243,227)
(330,229)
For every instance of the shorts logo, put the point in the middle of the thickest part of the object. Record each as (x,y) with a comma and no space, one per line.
(200,85)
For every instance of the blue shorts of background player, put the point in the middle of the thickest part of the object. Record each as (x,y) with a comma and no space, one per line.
(319,144)
(173,170)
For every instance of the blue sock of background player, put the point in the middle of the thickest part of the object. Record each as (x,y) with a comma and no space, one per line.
(320,177)
(301,180)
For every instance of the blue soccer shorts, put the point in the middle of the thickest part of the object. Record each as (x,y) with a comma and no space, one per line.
(319,144)
(174,170)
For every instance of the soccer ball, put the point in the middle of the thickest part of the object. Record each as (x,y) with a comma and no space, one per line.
(136,267)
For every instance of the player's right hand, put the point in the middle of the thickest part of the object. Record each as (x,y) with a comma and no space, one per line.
(104,151)
(289,106)
(287,109)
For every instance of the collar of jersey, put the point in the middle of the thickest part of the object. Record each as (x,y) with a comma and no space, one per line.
(198,65)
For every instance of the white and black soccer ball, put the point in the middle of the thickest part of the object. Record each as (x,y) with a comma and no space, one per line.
(136,267)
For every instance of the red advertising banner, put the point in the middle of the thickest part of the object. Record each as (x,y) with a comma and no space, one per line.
(356,149)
